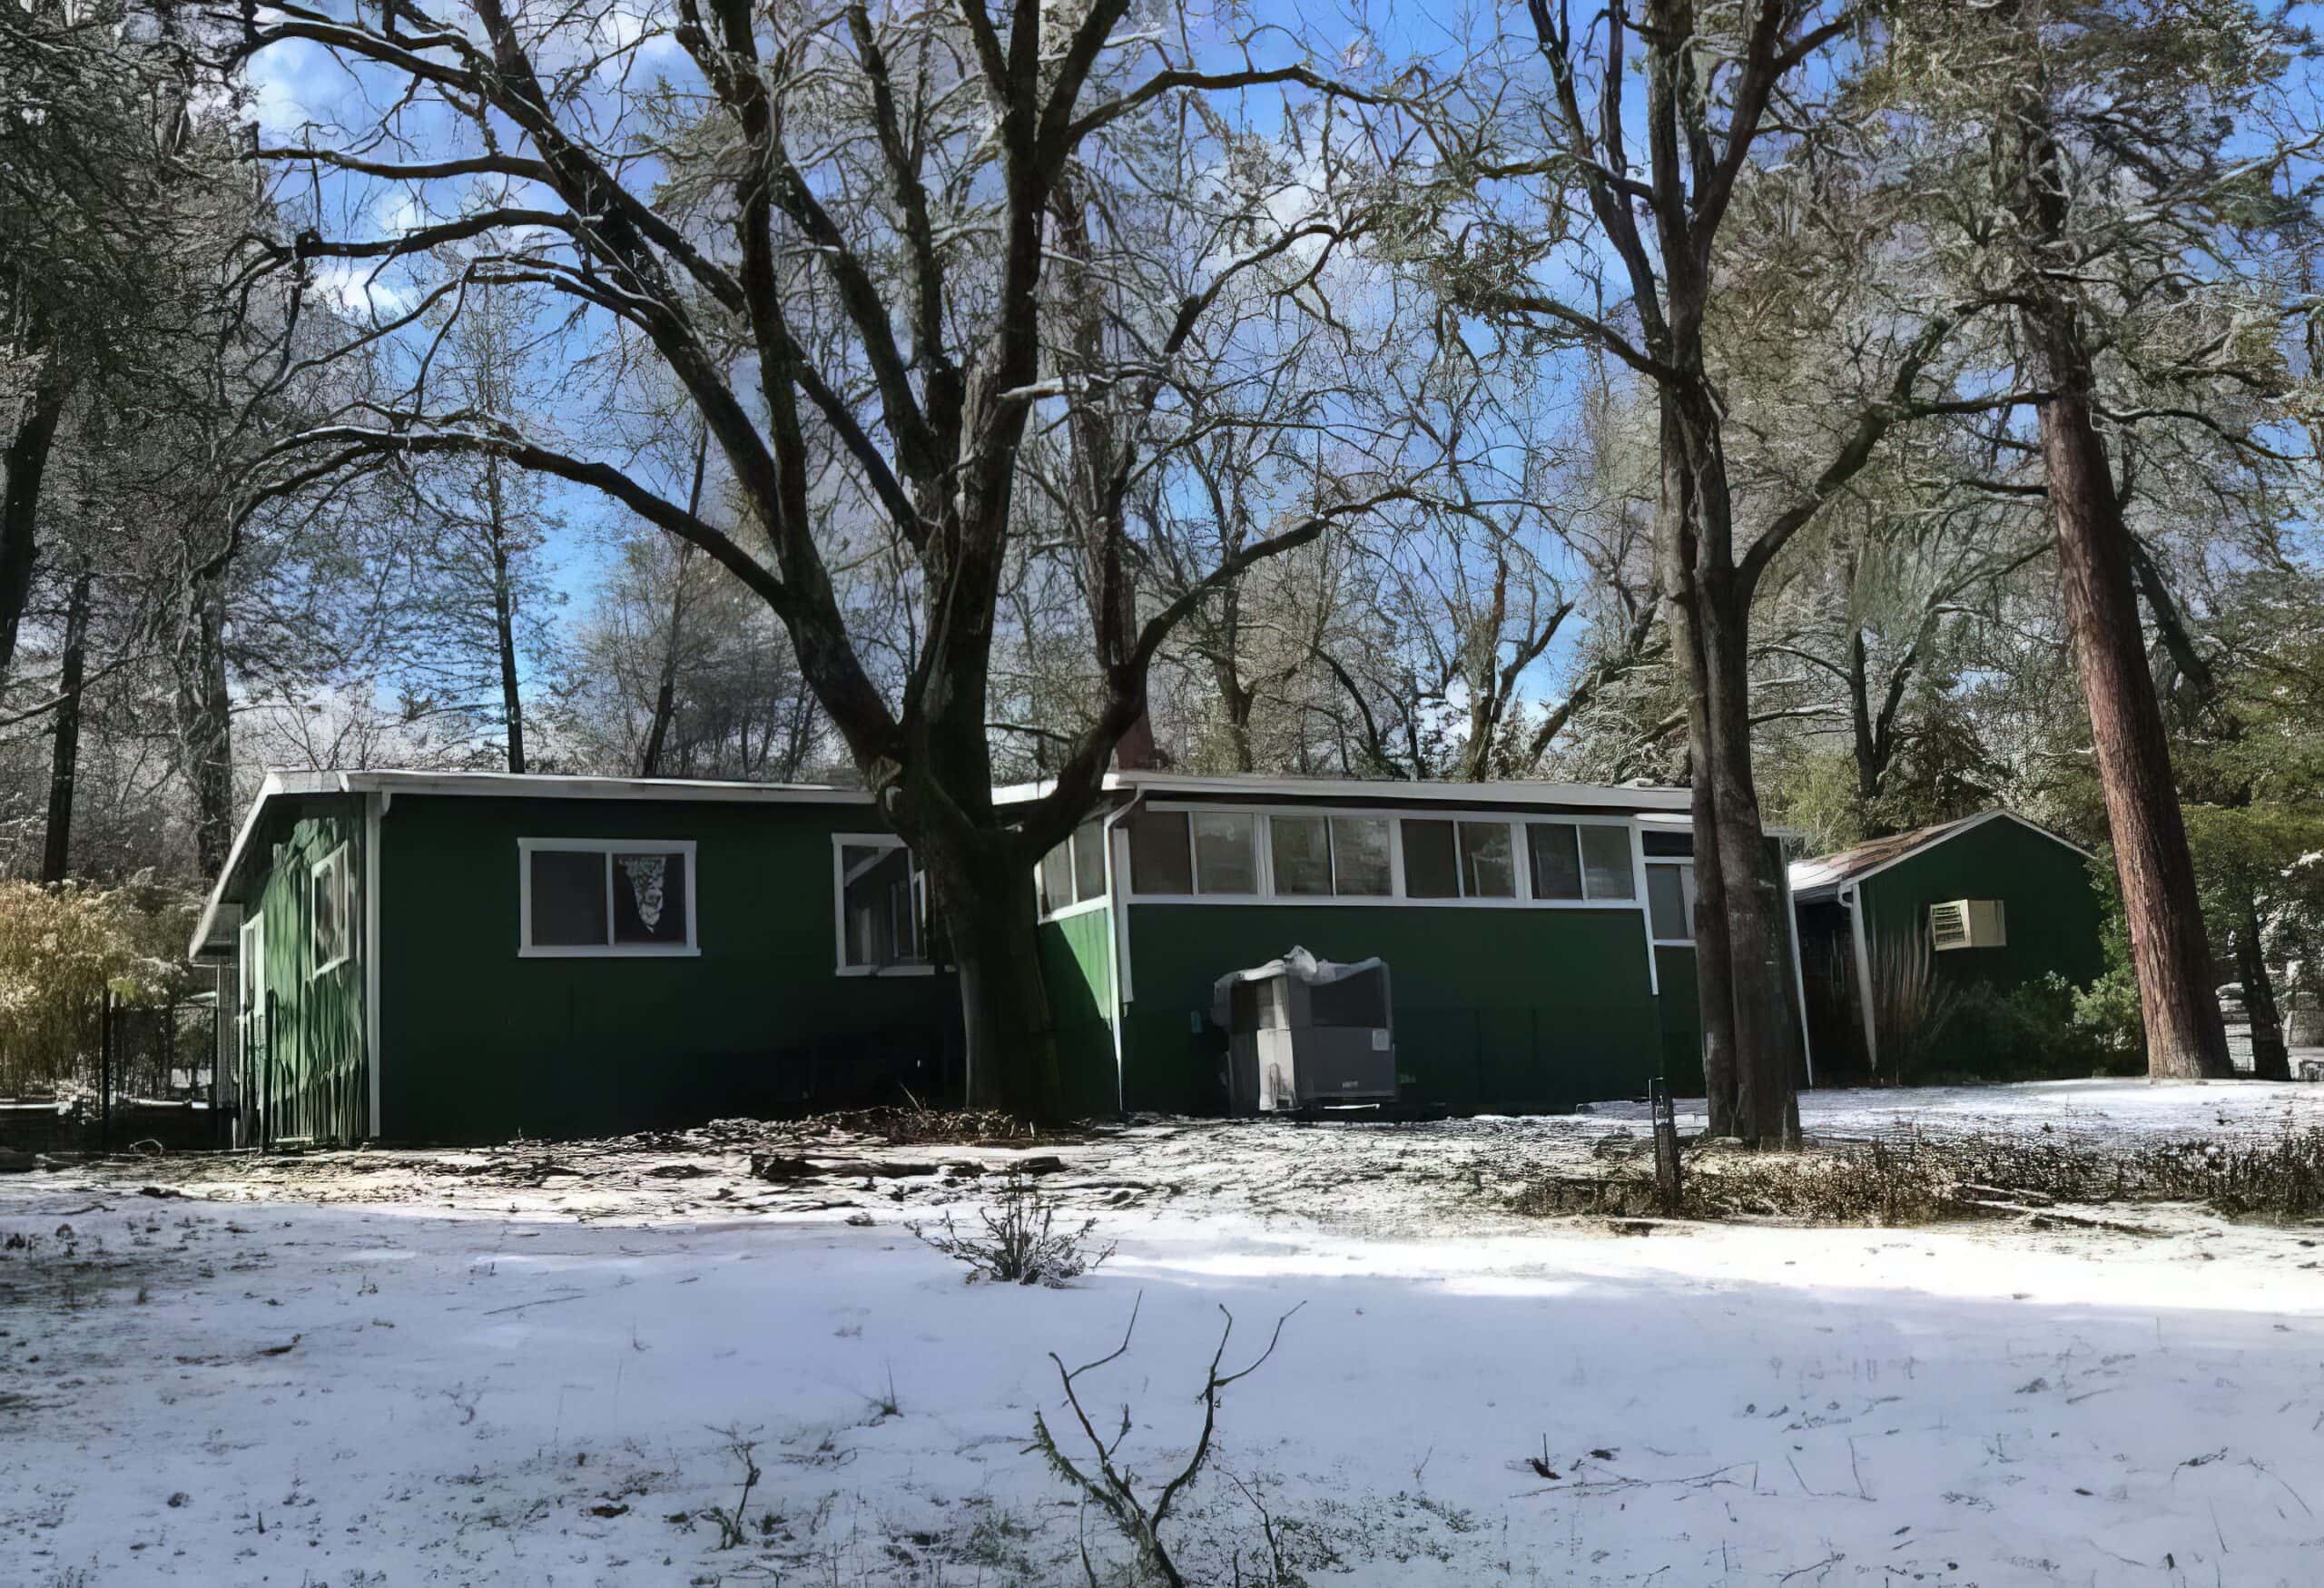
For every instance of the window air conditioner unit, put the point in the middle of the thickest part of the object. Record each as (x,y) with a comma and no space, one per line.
(1968,924)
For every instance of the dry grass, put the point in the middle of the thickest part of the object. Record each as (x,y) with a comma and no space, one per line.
(1907,1179)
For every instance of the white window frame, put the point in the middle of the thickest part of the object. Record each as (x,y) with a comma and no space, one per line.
(528,847)
(338,864)
(1675,861)
(1085,906)
(1522,899)
(841,844)
(250,987)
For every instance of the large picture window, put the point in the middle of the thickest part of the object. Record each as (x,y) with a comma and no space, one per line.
(330,913)
(882,898)
(614,896)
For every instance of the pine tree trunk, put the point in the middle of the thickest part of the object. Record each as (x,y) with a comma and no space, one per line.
(64,758)
(2185,1036)
(27,461)
(2270,1058)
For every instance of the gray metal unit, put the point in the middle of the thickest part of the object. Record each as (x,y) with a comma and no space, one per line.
(1304,1034)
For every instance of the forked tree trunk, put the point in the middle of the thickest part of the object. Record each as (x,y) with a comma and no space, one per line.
(2270,1058)
(1747,1052)
(64,759)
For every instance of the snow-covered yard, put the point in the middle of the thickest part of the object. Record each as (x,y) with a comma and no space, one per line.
(382,1369)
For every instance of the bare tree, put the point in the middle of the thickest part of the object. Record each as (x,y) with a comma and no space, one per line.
(841,246)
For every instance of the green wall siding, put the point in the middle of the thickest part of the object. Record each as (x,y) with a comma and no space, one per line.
(1682,1021)
(2051,911)
(1076,970)
(311,1076)
(483,1044)
(1496,1009)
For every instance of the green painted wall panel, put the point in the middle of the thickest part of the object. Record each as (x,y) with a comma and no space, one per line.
(2051,910)
(1076,970)
(310,1075)
(482,1044)
(1496,1009)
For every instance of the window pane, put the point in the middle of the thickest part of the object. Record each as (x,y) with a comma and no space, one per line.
(1430,871)
(1057,879)
(650,899)
(1488,870)
(1089,862)
(1303,855)
(1666,900)
(1360,856)
(328,895)
(1225,862)
(1666,843)
(568,898)
(1158,858)
(882,907)
(1606,862)
(1557,863)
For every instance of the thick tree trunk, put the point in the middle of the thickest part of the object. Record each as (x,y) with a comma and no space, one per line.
(1675,542)
(2270,1059)
(27,461)
(2168,949)
(56,842)
(2184,1035)
(985,899)
(1767,1109)
(1748,1054)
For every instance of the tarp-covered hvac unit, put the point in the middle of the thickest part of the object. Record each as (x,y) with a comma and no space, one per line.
(1305,1033)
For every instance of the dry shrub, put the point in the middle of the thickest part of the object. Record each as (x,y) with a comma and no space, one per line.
(1909,1178)
(1022,1243)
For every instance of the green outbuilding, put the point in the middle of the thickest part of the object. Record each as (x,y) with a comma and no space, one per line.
(1992,898)
(472,956)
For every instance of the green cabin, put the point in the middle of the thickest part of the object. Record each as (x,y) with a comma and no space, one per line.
(1992,898)
(476,956)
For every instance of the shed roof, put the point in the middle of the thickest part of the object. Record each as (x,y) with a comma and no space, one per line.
(1825,875)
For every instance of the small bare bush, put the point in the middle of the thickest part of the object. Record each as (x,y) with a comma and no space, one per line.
(1021,1242)
(1096,1469)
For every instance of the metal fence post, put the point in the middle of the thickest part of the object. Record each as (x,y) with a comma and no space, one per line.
(266,1093)
(104,1076)
(1667,1187)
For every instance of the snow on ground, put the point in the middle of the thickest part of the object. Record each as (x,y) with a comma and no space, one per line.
(2090,1110)
(388,1369)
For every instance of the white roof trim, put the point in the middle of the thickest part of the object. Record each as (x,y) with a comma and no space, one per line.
(1945,835)
(1359,790)
(506,786)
